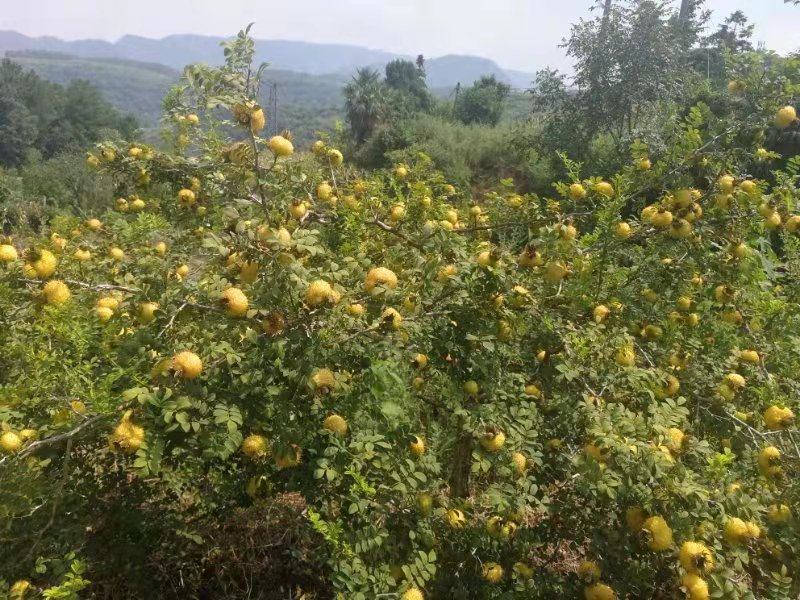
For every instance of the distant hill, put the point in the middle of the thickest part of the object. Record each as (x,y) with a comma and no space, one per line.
(176,51)
(306,103)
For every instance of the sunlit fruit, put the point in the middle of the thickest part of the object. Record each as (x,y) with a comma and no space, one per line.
(187,365)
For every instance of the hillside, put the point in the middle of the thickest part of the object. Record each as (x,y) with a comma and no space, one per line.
(304,57)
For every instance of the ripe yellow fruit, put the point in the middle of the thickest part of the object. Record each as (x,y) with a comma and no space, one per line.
(323,381)
(735,531)
(413,594)
(160,248)
(10,442)
(94,224)
(659,534)
(696,587)
(568,232)
(257,119)
(126,437)
(335,157)
(600,313)
(455,518)
(749,187)
(769,462)
(420,361)
(785,117)
(644,164)
(56,292)
(147,311)
(604,189)
(335,424)
(520,462)
(793,224)
(675,439)
(18,590)
(187,364)
(401,172)
(532,390)
(696,557)
(555,271)
(82,255)
(589,571)
(493,441)
(318,292)
(471,388)
(599,591)
(255,446)
(45,265)
(622,230)
(662,218)
(379,277)
(735,381)
(104,313)
(356,309)
(492,572)
(577,191)
(192,119)
(117,254)
(417,446)
(298,209)
(777,417)
(280,146)
(625,356)
(779,513)
(235,302)
(397,212)
(8,253)
(186,197)
(182,271)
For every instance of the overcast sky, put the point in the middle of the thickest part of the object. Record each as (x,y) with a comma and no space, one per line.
(518,34)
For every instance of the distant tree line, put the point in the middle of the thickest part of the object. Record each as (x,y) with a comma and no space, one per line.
(42,118)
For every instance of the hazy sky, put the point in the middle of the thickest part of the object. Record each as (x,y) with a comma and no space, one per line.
(519,34)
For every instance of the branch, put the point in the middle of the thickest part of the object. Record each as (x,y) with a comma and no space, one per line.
(100,287)
(394,231)
(60,437)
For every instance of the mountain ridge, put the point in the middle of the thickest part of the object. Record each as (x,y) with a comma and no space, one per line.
(178,50)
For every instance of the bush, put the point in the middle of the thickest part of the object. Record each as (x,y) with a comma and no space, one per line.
(257,373)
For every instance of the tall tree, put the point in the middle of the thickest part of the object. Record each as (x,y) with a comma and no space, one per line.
(482,102)
(365,100)
(408,79)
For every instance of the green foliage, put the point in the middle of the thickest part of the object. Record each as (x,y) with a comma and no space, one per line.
(482,103)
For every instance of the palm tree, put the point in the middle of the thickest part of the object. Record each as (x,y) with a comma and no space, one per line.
(364,103)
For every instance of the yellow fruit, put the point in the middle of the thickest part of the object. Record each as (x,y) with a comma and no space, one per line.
(401,172)
(735,381)
(8,253)
(493,441)
(187,365)
(397,212)
(604,189)
(417,446)
(298,209)
(735,531)
(577,191)
(492,572)
(104,313)
(160,248)
(589,571)
(777,417)
(45,265)
(186,197)
(622,230)
(147,311)
(696,588)
(533,390)
(600,313)
(455,518)
(318,292)
(56,292)
(769,461)
(379,277)
(785,117)
(10,442)
(323,381)
(413,594)
(644,164)
(235,302)
(599,591)
(793,224)
(192,119)
(659,534)
(255,446)
(280,146)
(726,184)
(520,462)
(471,388)
(779,513)
(19,589)
(94,224)
(568,232)
(625,356)
(182,271)
(695,557)
(126,437)
(675,439)
(554,272)
(335,157)
(662,218)
(335,424)
(257,120)
(420,361)
(748,186)
(356,310)
(318,147)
